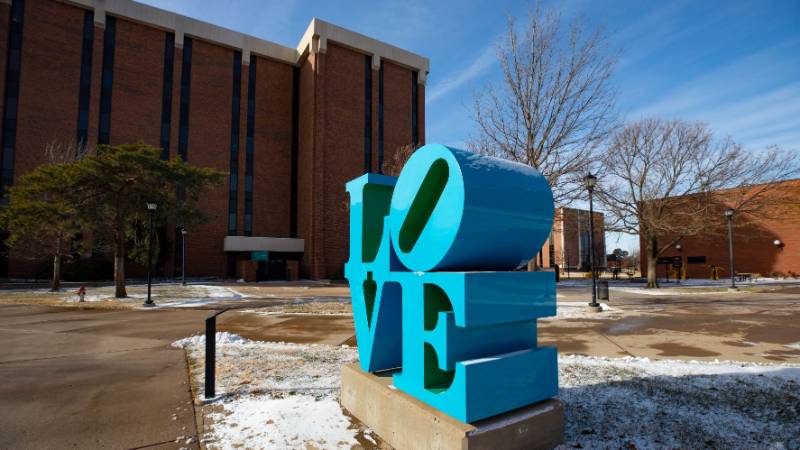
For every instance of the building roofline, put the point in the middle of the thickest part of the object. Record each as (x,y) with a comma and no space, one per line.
(314,40)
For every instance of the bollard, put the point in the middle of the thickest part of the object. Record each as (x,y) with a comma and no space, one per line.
(211,353)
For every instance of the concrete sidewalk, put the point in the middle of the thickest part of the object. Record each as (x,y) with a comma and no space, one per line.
(94,379)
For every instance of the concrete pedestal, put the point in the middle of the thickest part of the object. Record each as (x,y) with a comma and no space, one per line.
(406,423)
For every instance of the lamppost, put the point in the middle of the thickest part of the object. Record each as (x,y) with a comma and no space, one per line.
(729,216)
(183,256)
(152,207)
(591,181)
(679,247)
(778,244)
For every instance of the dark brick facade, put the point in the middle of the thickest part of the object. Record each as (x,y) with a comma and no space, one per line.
(329,111)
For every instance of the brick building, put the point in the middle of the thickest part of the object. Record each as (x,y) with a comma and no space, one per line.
(568,244)
(765,242)
(290,125)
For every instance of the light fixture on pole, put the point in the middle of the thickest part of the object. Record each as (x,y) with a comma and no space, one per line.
(183,256)
(678,276)
(591,181)
(778,244)
(729,216)
(152,207)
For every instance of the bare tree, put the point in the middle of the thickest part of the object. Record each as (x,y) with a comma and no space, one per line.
(555,106)
(61,151)
(664,180)
(394,165)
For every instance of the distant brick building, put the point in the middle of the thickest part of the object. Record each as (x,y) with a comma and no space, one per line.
(754,241)
(290,125)
(568,244)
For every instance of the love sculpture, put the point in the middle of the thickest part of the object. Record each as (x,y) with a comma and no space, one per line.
(431,254)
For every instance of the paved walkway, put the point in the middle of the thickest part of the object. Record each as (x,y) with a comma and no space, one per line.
(759,326)
(94,379)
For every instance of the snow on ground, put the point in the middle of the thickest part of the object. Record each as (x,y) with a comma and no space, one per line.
(276,395)
(663,291)
(699,286)
(175,296)
(578,310)
(281,422)
(645,404)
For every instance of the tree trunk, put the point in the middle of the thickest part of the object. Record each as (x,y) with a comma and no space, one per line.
(56,284)
(119,271)
(652,259)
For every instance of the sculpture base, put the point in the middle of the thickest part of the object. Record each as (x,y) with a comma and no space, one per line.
(406,423)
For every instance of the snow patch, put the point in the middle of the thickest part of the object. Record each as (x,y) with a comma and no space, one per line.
(277,395)
(294,421)
(221,338)
(577,310)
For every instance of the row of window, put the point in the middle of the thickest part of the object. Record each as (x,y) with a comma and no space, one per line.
(107,80)
(249,148)
(11,100)
(186,81)
(109,42)
(86,79)
(368,114)
(233,191)
(166,94)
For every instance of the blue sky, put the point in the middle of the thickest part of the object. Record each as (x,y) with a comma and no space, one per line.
(732,64)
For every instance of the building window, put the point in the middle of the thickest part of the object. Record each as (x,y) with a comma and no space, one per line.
(295,149)
(84,91)
(414,106)
(13,69)
(249,148)
(380,119)
(367,113)
(107,80)
(186,84)
(233,193)
(166,94)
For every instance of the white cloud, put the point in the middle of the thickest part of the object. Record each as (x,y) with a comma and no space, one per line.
(457,79)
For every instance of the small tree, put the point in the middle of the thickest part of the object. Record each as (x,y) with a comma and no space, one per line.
(41,219)
(114,185)
(662,179)
(555,106)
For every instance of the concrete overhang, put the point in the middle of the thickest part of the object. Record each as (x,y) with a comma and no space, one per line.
(269,244)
